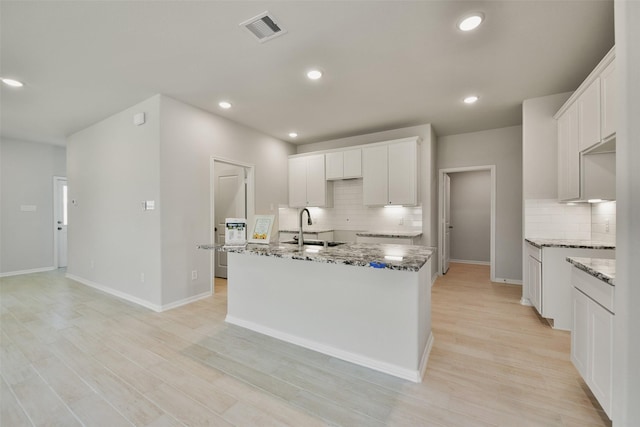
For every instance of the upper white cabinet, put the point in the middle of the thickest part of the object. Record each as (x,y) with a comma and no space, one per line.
(589,116)
(390,173)
(608,86)
(586,125)
(344,164)
(307,183)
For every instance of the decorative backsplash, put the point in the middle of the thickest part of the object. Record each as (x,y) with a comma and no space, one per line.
(348,213)
(548,219)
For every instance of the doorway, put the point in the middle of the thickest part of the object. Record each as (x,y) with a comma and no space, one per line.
(467,216)
(232,196)
(60,221)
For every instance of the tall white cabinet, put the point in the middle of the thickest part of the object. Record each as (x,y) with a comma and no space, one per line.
(390,173)
(307,183)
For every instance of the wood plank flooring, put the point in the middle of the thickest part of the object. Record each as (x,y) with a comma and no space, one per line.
(71,355)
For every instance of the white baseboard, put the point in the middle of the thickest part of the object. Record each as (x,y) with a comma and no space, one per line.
(508,281)
(526,301)
(116,293)
(388,368)
(464,261)
(136,300)
(33,270)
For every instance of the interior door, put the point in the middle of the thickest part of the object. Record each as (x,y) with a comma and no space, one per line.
(61,220)
(446,223)
(230,202)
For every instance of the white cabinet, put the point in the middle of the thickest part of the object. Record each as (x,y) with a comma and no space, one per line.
(286,236)
(307,184)
(388,240)
(390,173)
(589,116)
(592,335)
(608,86)
(534,276)
(344,164)
(569,155)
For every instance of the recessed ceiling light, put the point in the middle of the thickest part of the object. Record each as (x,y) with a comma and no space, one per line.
(314,74)
(470,22)
(224,104)
(293,134)
(470,99)
(12,83)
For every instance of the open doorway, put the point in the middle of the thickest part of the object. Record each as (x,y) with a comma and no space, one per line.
(232,196)
(60,221)
(467,216)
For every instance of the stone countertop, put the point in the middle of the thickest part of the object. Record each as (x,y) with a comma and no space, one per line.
(566,243)
(308,230)
(603,269)
(389,233)
(383,256)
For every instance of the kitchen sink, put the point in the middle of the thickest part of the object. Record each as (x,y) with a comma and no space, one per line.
(314,242)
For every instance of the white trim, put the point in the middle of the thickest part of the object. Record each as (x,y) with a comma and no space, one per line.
(251,204)
(387,368)
(462,261)
(507,281)
(416,138)
(185,301)
(30,271)
(526,301)
(56,200)
(115,293)
(441,173)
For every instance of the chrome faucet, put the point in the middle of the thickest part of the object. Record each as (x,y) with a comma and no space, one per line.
(309,222)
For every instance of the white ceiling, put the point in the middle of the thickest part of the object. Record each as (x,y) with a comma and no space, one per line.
(387,64)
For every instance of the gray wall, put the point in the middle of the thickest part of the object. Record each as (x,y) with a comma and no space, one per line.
(540,146)
(502,148)
(26,178)
(428,171)
(114,166)
(471,216)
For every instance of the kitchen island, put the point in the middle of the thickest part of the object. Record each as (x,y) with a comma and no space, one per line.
(369,304)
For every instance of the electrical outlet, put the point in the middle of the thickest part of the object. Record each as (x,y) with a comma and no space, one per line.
(194,274)
(401,222)
(606,225)
(142,277)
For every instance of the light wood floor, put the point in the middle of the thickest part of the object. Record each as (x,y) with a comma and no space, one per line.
(71,355)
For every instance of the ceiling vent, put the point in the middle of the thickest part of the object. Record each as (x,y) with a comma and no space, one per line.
(264,27)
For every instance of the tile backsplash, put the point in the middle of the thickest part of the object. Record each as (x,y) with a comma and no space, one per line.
(348,213)
(549,219)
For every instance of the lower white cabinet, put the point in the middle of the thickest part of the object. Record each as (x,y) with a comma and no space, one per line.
(389,240)
(592,340)
(324,235)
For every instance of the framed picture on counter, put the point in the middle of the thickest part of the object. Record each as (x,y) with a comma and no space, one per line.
(261,229)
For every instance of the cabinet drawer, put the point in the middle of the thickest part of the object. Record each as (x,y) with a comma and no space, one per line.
(596,289)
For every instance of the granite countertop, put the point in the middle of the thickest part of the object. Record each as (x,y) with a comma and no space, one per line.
(603,269)
(308,230)
(567,243)
(389,233)
(384,256)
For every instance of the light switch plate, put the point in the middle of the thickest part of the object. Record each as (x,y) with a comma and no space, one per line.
(138,119)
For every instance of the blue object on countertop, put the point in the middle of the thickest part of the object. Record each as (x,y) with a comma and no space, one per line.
(376,264)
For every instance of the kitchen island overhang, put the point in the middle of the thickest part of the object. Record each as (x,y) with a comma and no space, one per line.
(332,301)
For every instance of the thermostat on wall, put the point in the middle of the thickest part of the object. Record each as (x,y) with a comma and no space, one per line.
(138,119)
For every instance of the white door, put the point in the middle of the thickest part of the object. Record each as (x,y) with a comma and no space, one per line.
(446,250)
(60,220)
(230,202)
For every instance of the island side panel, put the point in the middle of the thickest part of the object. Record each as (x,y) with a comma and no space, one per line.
(374,317)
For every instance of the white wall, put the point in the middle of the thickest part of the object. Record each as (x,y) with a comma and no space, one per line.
(113,166)
(428,171)
(470,210)
(626,379)
(26,178)
(503,148)
(189,138)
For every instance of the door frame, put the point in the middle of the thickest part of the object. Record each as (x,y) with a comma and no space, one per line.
(56,207)
(251,208)
(441,174)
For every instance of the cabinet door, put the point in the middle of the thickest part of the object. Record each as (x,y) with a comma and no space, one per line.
(608,86)
(534,272)
(353,163)
(600,352)
(403,169)
(316,183)
(589,116)
(580,332)
(375,176)
(568,155)
(334,167)
(298,182)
